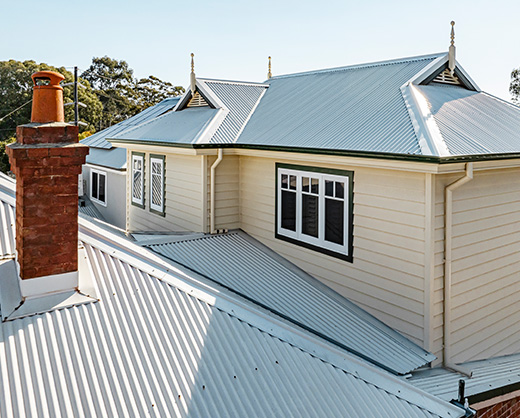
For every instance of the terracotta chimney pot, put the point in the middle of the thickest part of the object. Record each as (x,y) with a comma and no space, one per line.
(47,105)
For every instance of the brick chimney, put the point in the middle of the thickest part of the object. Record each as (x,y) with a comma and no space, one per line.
(47,159)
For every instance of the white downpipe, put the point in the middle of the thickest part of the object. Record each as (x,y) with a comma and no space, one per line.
(212,192)
(448,227)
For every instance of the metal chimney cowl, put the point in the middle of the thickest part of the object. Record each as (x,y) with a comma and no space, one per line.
(47,159)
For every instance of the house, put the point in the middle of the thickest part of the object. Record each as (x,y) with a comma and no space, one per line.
(100,327)
(104,174)
(394,183)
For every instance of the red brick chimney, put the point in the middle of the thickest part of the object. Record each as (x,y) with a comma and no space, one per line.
(47,159)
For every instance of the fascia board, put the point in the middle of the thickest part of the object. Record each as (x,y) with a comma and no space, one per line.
(428,134)
(208,93)
(196,286)
(205,135)
(185,97)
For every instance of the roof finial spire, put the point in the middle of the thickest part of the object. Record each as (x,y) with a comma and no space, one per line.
(451,53)
(193,81)
(269,75)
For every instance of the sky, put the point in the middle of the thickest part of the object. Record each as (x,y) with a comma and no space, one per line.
(232,39)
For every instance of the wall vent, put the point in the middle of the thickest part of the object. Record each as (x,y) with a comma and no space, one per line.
(446,78)
(197,101)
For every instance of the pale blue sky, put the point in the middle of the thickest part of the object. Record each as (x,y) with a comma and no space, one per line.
(232,39)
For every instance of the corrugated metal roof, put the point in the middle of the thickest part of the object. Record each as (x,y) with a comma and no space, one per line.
(472,122)
(173,127)
(156,345)
(242,264)
(487,375)
(98,140)
(358,108)
(112,158)
(86,207)
(240,99)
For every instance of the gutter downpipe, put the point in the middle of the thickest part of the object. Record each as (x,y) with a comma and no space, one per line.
(448,226)
(212,192)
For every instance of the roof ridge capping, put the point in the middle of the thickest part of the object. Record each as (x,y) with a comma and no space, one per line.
(364,65)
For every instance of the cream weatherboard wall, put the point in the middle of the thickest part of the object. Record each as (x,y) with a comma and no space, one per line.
(183,196)
(485,264)
(387,276)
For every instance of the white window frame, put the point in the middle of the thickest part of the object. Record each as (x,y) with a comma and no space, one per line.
(135,158)
(157,159)
(319,242)
(96,199)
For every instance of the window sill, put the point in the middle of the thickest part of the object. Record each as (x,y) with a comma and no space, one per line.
(346,257)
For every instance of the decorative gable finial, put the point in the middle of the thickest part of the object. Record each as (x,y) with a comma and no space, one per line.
(192,75)
(269,75)
(451,53)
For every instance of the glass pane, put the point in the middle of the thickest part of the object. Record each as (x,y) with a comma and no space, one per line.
(285,181)
(289,210)
(157,193)
(334,221)
(156,167)
(340,190)
(292,184)
(95,185)
(310,215)
(137,185)
(329,188)
(305,184)
(315,184)
(102,188)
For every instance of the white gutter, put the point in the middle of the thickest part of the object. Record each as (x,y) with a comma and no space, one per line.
(212,192)
(448,227)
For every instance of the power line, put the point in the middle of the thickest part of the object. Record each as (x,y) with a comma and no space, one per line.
(15,110)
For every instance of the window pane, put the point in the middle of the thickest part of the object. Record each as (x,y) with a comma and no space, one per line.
(95,185)
(289,210)
(315,183)
(285,181)
(137,185)
(305,184)
(102,188)
(310,215)
(292,184)
(329,188)
(334,221)
(340,190)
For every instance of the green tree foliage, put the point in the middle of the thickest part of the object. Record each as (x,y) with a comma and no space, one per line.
(514,87)
(123,95)
(16,90)
(4,159)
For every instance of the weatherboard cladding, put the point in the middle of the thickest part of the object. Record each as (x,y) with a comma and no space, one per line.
(473,123)
(149,349)
(98,140)
(242,264)
(358,108)
(240,99)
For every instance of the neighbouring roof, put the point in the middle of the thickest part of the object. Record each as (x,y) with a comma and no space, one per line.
(162,343)
(397,108)
(488,377)
(98,140)
(112,158)
(245,266)
(86,207)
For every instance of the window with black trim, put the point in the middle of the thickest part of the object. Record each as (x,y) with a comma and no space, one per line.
(314,208)
(138,179)
(98,186)
(157,184)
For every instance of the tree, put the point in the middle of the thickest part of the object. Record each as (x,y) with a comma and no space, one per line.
(514,87)
(122,95)
(16,91)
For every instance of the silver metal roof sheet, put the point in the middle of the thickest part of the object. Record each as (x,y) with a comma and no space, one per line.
(86,207)
(98,140)
(487,375)
(173,127)
(242,264)
(357,108)
(240,99)
(112,158)
(472,122)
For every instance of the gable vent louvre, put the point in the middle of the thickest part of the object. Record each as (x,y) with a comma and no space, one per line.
(446,78)
(197,101)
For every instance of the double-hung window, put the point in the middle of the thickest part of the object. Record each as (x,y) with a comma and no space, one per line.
(138,179)
(98,186)
(314,208)
(157,184)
